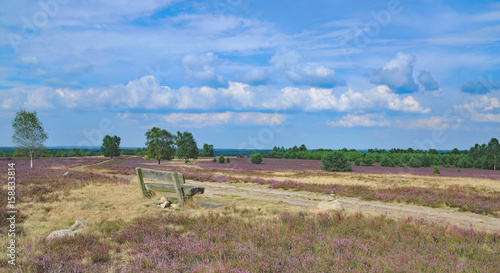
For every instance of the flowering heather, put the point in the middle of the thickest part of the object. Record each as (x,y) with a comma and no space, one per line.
(243,240)
(463,198)
(46,177)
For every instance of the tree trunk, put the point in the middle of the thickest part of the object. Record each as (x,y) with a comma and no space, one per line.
(31,156)
(158,162)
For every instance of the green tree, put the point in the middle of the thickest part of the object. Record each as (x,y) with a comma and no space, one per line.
(221,159)
(111,146)
(186,146)
(160,144)
(29,134)
(436,170)
(256,158)
(494,152)
(208,150)
(336,162)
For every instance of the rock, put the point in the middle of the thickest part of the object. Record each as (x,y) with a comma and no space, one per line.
(165,205)
(78,225)
(66,173)
(163,199)
(61,234)
(331,204)
(174,206)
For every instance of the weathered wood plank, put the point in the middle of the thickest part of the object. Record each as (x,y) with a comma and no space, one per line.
(178,189)
(139,173)
(188,190)
(158,175)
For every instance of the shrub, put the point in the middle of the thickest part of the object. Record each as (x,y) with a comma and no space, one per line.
(336,162)
(228,160)
(215,160)
(386,162)
(436,170)
(459,170)
(415,162)
(221,159)
(368,160)
(256,158)
(357,162)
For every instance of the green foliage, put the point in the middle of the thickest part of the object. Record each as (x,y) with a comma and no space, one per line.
(186,146)
(208,150)
(110,146)
(29,134)
(494,152)
(436,170)
(256,158)
(386,161)
(228,160)
(415,162)
(336,162)
(221,159)
(215,160)
(368,160)
(357,162)
(160,144)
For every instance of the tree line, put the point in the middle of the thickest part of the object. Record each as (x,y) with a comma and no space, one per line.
(484,156)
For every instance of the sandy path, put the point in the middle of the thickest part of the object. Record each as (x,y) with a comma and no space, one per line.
(308,199)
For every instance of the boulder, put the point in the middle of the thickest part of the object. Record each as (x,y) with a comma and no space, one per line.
(66,173)
(165,205)
(61,234)
(78,225)
(331,204)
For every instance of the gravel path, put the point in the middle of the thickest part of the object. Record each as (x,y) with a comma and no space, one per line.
(307,199)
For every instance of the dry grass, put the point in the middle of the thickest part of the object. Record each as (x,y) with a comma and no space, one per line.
(377,181)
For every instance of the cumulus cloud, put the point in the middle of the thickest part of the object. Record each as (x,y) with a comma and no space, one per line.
(397,74)
(427,81)
(482,109)
(292,65)
(202,68)
(480,87)
(147,93)
(367,120)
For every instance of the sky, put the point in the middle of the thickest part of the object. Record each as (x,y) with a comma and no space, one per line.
(254,74)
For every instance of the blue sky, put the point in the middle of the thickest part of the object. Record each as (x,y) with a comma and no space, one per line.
(255,74)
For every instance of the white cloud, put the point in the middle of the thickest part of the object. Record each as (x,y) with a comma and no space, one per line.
(431,123)
(202,68)
(482,109)
(292,65)
(147,93)
(397,74)
(367,120)
(427,81)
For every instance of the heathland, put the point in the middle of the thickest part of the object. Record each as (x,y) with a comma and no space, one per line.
(233,231)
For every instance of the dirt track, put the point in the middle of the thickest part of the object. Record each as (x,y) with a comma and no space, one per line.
(307,199)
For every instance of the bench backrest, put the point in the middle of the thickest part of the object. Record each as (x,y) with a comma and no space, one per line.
(177,179)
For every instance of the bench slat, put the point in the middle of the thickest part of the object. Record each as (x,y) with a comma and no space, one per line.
(188,190)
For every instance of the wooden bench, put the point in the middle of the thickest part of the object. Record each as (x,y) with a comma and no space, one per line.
(177,186)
